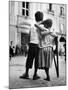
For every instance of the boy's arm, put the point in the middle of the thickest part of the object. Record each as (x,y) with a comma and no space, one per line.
(40,27)
(43,30)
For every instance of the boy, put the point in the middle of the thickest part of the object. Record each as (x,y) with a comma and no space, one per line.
(33,51)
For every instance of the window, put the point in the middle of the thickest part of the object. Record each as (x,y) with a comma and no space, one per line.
(50,7)
(61,11)
(62,28)
(50,10)
(25,8)
(27,5)
(27,13)
(23,4)
(23,12)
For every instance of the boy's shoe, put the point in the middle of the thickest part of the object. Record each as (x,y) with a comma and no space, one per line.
(35,77)
(24,76)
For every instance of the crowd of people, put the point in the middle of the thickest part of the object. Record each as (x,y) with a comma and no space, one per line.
(17,50)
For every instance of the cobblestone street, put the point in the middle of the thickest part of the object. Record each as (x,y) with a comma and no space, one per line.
(17,68)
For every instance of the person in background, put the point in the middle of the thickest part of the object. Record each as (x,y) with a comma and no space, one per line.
(11,50)
(33,51)
(65,50)
(14,50)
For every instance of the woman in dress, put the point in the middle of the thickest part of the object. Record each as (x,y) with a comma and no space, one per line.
(46,54)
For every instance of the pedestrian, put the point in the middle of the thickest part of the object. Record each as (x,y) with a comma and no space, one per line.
(11,50)
(14,49)
(65,50)
(33,51)
(46,54)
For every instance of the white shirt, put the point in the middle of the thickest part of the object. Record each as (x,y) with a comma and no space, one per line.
(34,35)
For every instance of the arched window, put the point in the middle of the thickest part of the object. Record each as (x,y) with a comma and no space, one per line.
(61,11)
(50,10)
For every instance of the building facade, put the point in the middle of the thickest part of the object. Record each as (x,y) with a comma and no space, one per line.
(21,17)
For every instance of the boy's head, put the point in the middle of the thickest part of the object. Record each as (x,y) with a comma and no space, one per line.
(38,16)
(47,23)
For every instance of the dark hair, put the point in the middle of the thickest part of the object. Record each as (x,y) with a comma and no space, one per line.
(38,16)
(47,23)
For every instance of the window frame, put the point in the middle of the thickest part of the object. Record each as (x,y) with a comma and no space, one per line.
(26,9)
(61,10)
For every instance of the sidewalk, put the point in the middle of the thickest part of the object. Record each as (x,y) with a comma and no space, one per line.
(17,68)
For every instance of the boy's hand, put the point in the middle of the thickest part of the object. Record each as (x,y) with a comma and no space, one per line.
(40,27)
